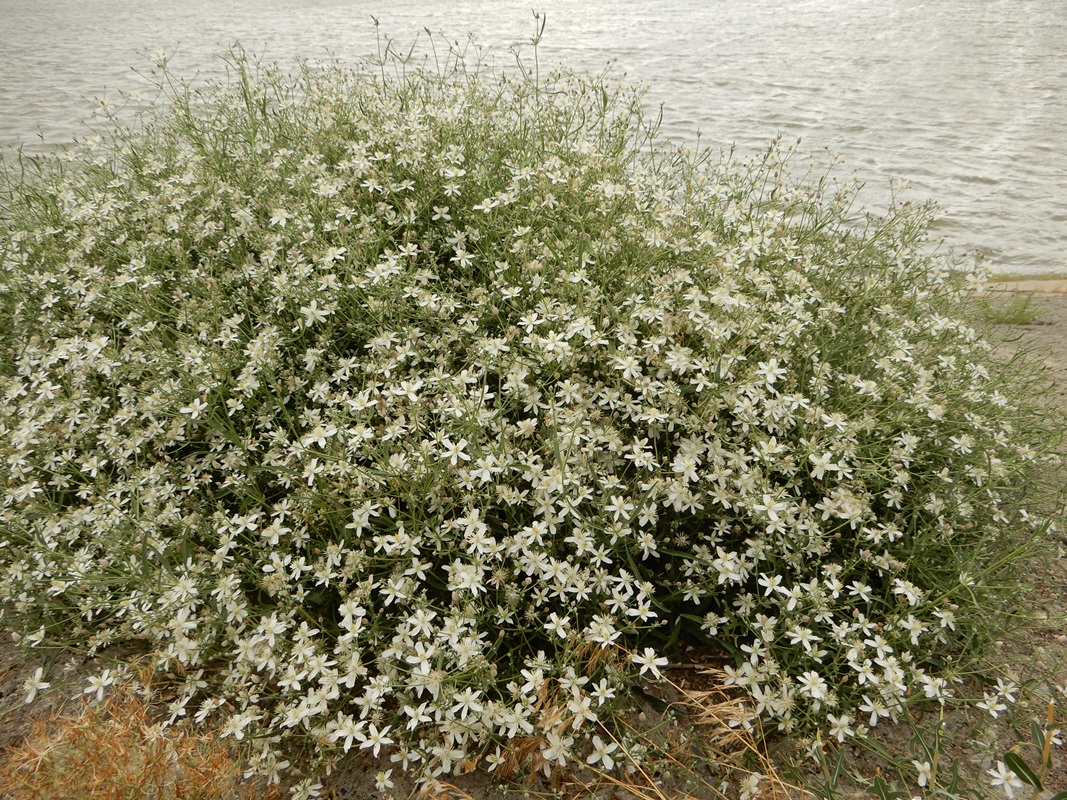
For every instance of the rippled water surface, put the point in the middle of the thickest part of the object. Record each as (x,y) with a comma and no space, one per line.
(964,99)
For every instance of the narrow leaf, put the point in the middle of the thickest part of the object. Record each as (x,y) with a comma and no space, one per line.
(1037,735)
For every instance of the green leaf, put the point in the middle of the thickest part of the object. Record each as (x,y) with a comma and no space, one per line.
(1060,796)
(1037,735)
(884,791)
(1018,766)
(953,786)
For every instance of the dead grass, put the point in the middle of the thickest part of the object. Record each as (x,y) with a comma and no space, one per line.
(117,750)
(701,746)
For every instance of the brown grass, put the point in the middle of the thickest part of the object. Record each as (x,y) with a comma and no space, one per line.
(708,739)
(117,751)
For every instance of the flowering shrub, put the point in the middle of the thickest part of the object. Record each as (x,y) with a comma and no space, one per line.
(423,415)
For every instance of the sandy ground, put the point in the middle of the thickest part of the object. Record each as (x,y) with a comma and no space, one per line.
(1037,651)
(1046,336)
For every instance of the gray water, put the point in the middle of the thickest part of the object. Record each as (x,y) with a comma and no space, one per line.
(966,100)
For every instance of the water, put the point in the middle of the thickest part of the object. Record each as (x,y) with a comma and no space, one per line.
(966,100)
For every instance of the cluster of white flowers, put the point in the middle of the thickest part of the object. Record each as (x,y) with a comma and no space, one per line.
(418,417)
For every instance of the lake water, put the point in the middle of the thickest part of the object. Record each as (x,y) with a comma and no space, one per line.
(966,100)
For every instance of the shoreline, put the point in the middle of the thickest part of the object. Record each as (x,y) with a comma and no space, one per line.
(1034,285)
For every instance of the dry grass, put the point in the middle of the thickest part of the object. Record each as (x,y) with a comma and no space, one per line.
(716,732)
(703,745)
(117,750)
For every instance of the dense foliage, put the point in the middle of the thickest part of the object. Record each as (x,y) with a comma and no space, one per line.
(426,414)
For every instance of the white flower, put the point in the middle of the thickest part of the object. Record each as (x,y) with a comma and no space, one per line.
(559,747)
(813,685)
(1007,780)
(382,780)
(750,786)
(557,625)
(992,704)
(620,508)
(924,772)
(466,702)
(462,575)
(98,683)
(840,727)
(34,684)
(770,370)
(306,790)
(376,739)
(602,753)
(602,692)
(313,314)
(876,708)
(822,464)
(453,453)
(649,662)
(194,409)
(348,729)
(334,254)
